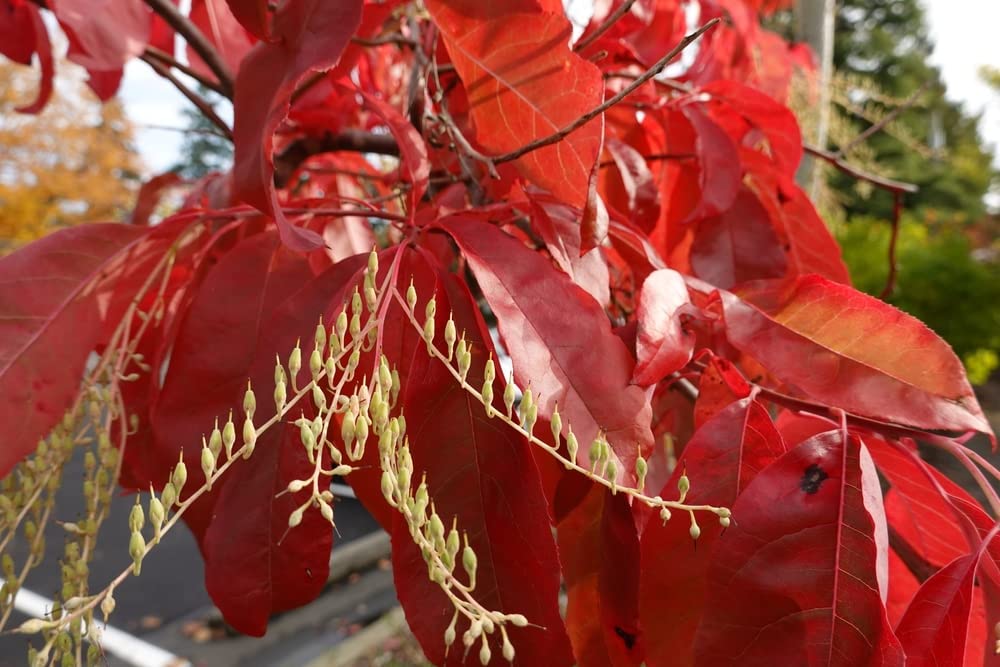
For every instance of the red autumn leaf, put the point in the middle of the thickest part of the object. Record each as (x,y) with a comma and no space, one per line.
(216,21)
(558,225)
(833,344)
(599,553)
(254,15)
(471,464)
(812,248)
(149,196)
(583,367)
(718,164)
(23,34)
(52,321)
(750,116)
(721,459)
(935,627)
(902,585)
(643,205)
(309,35)
(722,383)
(800,576)
(252,306)
(104,35)
(738,245)
(662,344)
(524,83)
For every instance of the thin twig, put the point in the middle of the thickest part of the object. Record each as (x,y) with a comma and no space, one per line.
(889,117)
(897,212)
(660,65)
(604,27)
(170,61)
(861,175)
(197,41)
(203,106)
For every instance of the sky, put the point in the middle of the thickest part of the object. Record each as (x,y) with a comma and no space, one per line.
(964,33)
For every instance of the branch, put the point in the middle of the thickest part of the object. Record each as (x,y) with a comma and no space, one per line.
(913,561)
(897,212)
(356,141)
(889,117)
(660,65)
(604,27)
(169,61)
(197,40)
(861,175)
(204,107)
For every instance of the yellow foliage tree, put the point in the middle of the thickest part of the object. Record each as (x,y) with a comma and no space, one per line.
(74,162)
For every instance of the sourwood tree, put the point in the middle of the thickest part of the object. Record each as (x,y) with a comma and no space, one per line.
(702,410)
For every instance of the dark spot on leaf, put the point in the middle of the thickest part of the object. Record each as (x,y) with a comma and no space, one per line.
(812,478)
(627,637)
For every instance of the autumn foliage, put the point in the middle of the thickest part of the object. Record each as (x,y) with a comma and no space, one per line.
(713,448)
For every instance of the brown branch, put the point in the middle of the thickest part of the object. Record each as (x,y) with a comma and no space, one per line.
(861,175)
(911,558)
(170,61)
(660,65)
(197,40)
(356,141)
(604,27)
(897,212)
(204,107)
(393,38)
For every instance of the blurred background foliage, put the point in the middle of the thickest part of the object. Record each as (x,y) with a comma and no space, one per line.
(74,162)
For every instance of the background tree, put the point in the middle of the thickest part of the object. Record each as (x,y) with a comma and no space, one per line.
(203,148)
(74,162)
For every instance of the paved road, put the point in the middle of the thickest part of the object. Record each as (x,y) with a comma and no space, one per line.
(171,586)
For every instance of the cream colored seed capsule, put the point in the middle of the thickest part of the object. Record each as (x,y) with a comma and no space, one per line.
(280,396)
(229,435)
(411,296)
(249,401)
(508,649)
(136,517)
(180,475)
(517,620)
(485,653)
(215,440)
(450,335)
(295,362)
(207,466)
(137,550)
(249,438)
(295,518)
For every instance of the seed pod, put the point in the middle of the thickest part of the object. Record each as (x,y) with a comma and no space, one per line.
(215,440)
(596,452)
(641,468)
(429,331)
(347,430)
(229,434)
(169,495)
(315,364)
(488,398)
(411,295)
(249,438)
(724,521)
(464,363)
(108,605)
(137,550)
(572,446)
(295,362)
(156,515)
(361,431)
(136,517)
(450,336)
(394,393)
(556,424)
(352,363)
(326,510)
(403,476)
(683,485)
(341,325)
(180,475)
(249,401)
(508,397)
(384,375)
(508,649)
(452,543)
(527,398)
(307,437)
(611,473)
(371,298)
(695,529)
(280,396)
(388,487)
(297,485)
(484,652)
(725,512)
(665,514)
(32,626)
(449,633)
(517,620)
(319,398)
(356,302)
(207,466)
(469,561)
(354,330)
(436,527)
(279,372)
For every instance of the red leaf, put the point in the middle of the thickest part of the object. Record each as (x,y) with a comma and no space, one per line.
(558,226)
(216,21)
(662,344)
(720,460)
(104,35)
(934,629)
(309,34)
(812,248)
(49,303)
(569,354)
(835,345)
(252,15)
(599,550)
(737,246)
(800,576)
(478,471)
(149,196)
(720,384)
(523,83)
(718,165)
(749,116)
(640,186)
(22,34)
(253,305)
